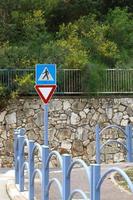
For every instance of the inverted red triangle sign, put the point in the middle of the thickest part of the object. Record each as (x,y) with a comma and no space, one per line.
(45,92)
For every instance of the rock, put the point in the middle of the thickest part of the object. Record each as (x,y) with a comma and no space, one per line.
(63,116)
(29,126)
(66,105)
(26,105)
(80,132)
(66,144)
(100,110)
(32,135)
(124,122)
(117,118)
(2,116)
(82,114)
(75,119)
(51,133)
(95,116)
(102,119)
(39,119)
(119,157)
(3,135)
(63,134)
(131,119)
(86,110)
(29,112)
(109,112)
(125,117)
(78,105)
(77,148)
(55,105)
(121,108)
(91,148)
(129,111)
(86,142)
(9,146)
(11,118)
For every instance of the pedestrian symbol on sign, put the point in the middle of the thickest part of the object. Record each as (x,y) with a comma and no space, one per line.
(45,75)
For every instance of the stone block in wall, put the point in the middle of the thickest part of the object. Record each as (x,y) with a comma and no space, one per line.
(117,118)
(91,148)
(51,133)
(109,112)
(55,105)
(75,119)
(39,119)
(2,116)
(63,134)
(11,118)
(119,157)
(66,144)
(78,105)
(77,148)
(66,105)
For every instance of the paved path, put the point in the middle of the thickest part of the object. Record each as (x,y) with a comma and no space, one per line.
(109,190)
(5,175)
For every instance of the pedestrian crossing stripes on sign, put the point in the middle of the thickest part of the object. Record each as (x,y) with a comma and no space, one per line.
(45,74)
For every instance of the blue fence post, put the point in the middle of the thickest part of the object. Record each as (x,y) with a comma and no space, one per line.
(91,182)
(96,175)
(16,163)
(45,173)
(31,170)
(97,130)
(21,161)
(66,177)
(129,143)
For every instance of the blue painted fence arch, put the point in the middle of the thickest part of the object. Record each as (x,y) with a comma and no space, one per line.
(93,172)
(98,179)
(128,135)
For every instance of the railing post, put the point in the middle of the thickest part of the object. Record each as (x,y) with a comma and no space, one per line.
(96,175)
(45,173)
(21,161)
(91,182)
(31,170)
(97,130)
(16,163)
(66,177)
(129,143)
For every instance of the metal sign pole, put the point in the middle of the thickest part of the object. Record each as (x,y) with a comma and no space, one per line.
(46,124)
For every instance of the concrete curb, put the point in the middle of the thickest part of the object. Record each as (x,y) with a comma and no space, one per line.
(13,192)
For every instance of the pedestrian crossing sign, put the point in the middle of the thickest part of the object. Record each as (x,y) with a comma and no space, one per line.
(45,74)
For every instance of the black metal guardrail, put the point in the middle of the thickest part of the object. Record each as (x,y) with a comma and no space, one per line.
(70,81)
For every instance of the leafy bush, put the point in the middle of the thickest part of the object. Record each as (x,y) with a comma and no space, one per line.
(25,84)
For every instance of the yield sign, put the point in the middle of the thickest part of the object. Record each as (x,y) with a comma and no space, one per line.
(45,92)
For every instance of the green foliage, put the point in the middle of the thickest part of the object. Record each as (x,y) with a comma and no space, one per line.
(24,84)
(92,75)
(85,34)
(121,33)
(2,91)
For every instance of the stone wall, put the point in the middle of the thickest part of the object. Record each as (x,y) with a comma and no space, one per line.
(71,125)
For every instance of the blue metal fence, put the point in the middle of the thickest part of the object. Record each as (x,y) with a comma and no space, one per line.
(93,172)
(128,140)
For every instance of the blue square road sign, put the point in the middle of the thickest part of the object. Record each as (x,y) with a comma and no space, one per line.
(45,74)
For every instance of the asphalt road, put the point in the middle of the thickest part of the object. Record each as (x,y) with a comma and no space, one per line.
(109,191)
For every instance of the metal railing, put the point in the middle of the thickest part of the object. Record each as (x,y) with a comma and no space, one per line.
(117,81)
(93,172)
(127,143)
(71,81)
